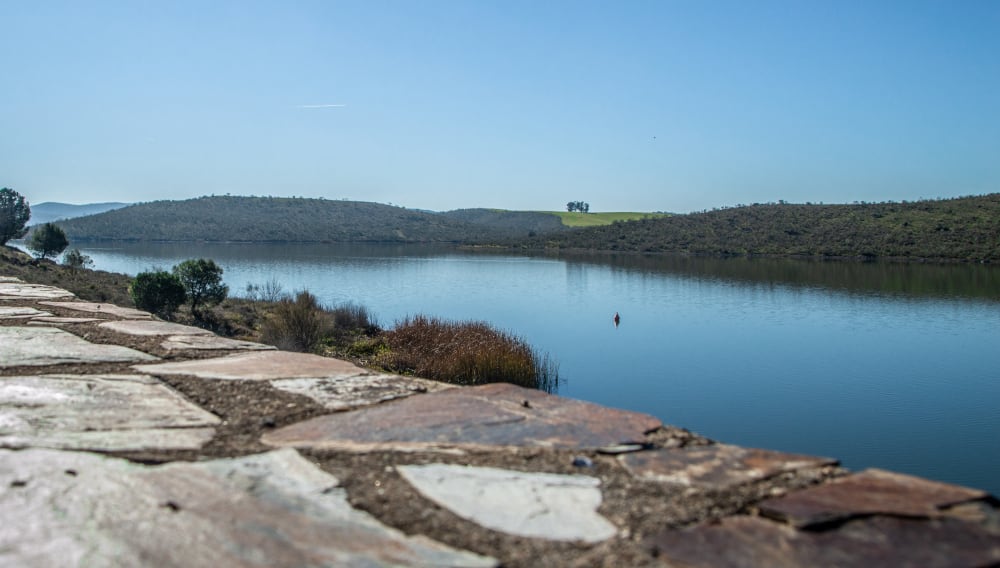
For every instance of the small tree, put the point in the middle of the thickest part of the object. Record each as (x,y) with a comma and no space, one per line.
(48,240)
(157,291)
(202,279)
(76,260)
(14,215)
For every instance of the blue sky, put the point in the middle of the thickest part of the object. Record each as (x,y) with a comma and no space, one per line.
(651,106)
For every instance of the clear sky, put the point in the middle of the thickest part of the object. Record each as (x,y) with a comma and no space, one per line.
(671,105)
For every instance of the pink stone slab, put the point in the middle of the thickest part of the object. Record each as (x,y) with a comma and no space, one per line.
(717,466)
(101,308)
(879,541)
(61,508)
(261,366)
(873,491)
(493,415)
(152,327)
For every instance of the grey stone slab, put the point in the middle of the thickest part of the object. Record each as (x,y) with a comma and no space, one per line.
(872,491)
(537,505)
(22,291)
(100,308)
(152,328)
(211,342)
(486,416)
(107,412)
(260,366)
(14,312)
(50,320)
(273,509)
(716,466)
(36,346)
(878,541)
(343,393)
(9,279)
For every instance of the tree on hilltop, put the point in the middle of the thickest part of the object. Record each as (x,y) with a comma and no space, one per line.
(14,215)
(581,206)
(48,240)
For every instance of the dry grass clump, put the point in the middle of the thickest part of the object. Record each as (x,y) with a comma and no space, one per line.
(299,324)
(466,353)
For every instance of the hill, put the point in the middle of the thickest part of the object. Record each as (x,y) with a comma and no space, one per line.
(271,219)
(518,223)
(966,228)
(578,219)
(53,211)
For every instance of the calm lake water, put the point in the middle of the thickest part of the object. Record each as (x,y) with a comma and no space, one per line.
(879,365)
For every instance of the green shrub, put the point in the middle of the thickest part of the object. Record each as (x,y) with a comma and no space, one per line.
(157,291)
(466,353)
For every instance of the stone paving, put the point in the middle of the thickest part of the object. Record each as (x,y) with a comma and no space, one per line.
(385,470)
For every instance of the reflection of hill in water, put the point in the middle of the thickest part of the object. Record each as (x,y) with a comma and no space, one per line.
(912,279)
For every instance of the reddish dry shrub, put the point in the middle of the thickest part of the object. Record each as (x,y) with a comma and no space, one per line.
(466,353)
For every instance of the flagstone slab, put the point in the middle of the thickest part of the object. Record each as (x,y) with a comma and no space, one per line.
(716,466)
(14,312)
(22,291)
(261,366)
(274,509)
(344,393)
(107,412)
(211,342)
(49,320)
(536,505)
(36,346)
(873,491)
(482,416)
(10,279)
(879,541)
(101,308)
(152,327)
(145,439)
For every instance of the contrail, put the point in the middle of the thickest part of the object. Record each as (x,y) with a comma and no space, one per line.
(322,106)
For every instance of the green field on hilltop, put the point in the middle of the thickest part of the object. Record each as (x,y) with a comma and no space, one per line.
(578,219)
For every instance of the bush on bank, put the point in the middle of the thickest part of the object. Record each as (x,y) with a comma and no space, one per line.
(466,353)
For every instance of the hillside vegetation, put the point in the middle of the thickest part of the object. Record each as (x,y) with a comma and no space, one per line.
(966,228)
(271,219)
(515,223)
(579,219)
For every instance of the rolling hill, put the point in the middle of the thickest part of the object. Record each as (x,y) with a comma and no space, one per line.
(53,211)
(270,219)
(966,228)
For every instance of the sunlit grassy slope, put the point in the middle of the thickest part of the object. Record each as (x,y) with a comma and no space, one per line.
(577,219)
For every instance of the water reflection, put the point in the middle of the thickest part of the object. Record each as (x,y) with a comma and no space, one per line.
(977,281)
